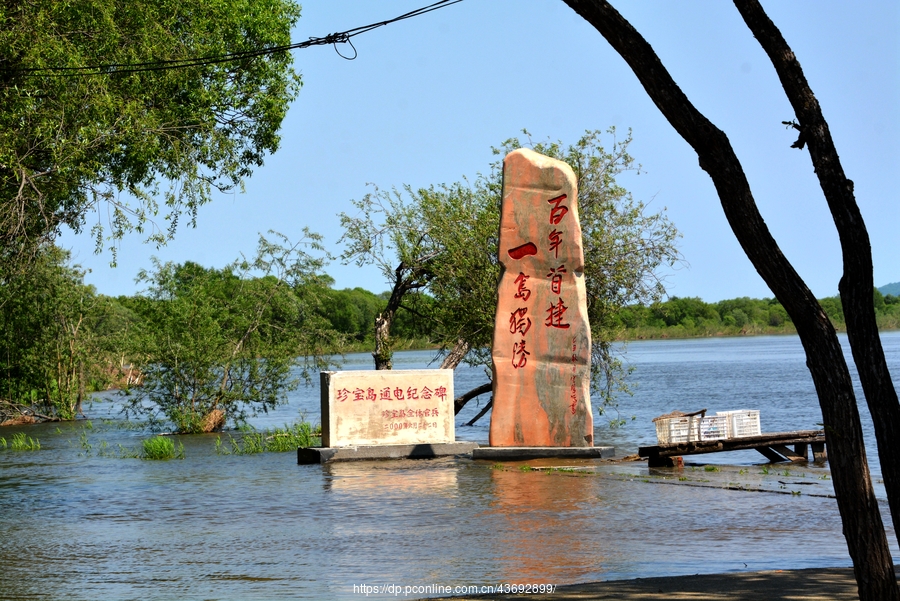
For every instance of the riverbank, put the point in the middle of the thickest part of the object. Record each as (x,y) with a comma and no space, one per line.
(815,584)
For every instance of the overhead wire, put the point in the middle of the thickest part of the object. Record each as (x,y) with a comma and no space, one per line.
(342,37)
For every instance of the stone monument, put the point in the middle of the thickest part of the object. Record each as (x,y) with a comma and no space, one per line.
(386,414)
(542,340)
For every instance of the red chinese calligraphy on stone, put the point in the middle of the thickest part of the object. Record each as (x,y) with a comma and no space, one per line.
(440,392)
(574,390)
(532,383)
(518,322)
(558,211)
(370,395)
(555,276)
(426,393)
(359,394)
(520,252)
(398,394)
(519,355)
(342,395)
(574,396)
(412,393)
(555,242)
(522,292)
(555,317)
(385,394)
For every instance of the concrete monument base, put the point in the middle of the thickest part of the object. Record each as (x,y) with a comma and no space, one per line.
(393,451)
(523,453)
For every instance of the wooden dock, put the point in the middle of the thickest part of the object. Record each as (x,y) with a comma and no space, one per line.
(774,446)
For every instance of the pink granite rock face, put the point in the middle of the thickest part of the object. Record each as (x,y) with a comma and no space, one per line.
(542,340)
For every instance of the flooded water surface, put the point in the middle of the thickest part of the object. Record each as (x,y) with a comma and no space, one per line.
(78,521)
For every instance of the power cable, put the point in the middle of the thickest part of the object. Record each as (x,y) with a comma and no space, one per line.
(164,65)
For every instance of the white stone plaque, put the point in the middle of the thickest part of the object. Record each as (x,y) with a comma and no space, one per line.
(386,407)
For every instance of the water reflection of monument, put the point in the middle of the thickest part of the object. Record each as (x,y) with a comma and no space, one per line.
(541,527)
(408,479)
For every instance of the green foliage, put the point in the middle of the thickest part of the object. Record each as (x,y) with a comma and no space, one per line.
(687,317)
(22,442)
(352,311)
(278,440)
(232,340)
(161,447)
(71,141)
(47,343)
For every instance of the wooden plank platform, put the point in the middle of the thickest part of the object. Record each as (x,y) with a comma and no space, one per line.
(773,445)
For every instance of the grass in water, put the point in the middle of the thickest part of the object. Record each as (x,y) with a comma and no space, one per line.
(22,442)
(279,440)
(162,447)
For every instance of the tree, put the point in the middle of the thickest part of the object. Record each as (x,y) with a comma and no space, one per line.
(351,312)
(70,140)
(445,240)
(227,343)
(46,342)
(413,245)
(859,510)
(859,298)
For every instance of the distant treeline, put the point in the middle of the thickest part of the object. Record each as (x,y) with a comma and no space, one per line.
(202,341)
(691,317)
(352,312)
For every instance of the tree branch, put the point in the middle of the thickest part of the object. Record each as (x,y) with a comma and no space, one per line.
(857,284)
(859,510)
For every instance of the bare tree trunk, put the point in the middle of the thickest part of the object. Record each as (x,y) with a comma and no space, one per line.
(383,354)
(863,528)
(857,283)
(481,413)
(460,401)
(80,397)
(456,355)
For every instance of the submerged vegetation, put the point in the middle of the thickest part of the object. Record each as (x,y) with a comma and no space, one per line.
(278,440)
(244,441)
(21,442)
(161,447)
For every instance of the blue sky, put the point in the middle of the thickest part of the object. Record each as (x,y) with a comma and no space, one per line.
(427,98)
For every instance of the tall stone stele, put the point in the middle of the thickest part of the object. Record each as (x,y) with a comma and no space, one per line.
(542,339)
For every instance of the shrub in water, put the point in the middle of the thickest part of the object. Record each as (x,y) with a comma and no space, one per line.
(161,447)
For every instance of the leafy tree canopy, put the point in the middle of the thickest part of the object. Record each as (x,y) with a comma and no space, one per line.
(227,343)
(164,138)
